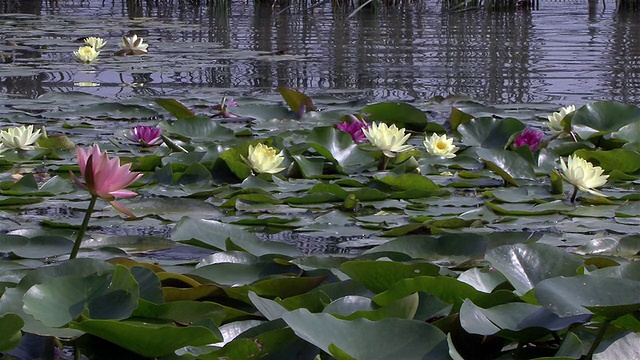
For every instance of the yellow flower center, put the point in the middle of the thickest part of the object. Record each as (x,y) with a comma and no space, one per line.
(441,145)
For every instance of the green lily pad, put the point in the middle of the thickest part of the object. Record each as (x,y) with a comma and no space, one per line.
(10,335)
(398,113)
(489,133)
(99,296)
(526,265)
(338,147)
(589,295)
(148,338)
(603,117)
(365,339)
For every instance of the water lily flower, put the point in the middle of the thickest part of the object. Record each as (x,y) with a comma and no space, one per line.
(440,145)
(389,139)
(354,127)
(145,135)
(86,54)
(95,42)
(105,178)
(133,45)
(529,137)
(264,159)
(223,107)
(583,175)
(20,137)
(555,119)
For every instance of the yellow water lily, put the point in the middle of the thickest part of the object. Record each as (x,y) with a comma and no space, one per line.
(264,159)
(133,45)
(555,119)
(583,175)
(389,139)
(440,145)
(95,42)
(86,54)
(20,137)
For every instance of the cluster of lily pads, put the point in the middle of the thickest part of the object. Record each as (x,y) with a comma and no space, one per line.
(130,45)
(463,243)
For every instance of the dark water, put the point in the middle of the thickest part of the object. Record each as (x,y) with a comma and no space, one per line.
(564,52)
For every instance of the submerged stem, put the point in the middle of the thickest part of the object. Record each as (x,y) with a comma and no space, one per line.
(384,161)
(598,339)
(575,193)
(83,227)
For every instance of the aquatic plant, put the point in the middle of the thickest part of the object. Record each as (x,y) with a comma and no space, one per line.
(95,42)
(104,178)
(132,45)
(529,137)
(264,159)
(354,126)
(19,137)
(86,54)
(440,145)
(555,119)
(145,135)
(583,175)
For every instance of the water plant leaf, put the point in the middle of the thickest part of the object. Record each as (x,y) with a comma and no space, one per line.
(489,132)
(629,132)
(398,113)
(447,289)
(526,265)
(214,234)
(523,321)
(589,295)
(378,276)
(10,335)
(174,107)
(296,100)
(508,165)
(365,339)
(623,160)
(450,248)
(200,128)
(149,338)
(338,147)
(101,296)
(603,117)
(38,247)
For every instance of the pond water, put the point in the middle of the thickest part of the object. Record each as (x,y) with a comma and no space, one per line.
(564,52)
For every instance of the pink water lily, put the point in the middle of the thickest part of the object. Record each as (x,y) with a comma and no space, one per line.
(529,137)
(354,127)
(145,135)
(105,178)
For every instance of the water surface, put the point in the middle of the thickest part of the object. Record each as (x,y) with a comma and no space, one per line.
(564,52)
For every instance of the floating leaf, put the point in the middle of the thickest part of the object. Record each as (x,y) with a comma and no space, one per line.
(526,265)
(398,113)
(603,117)
(365,339)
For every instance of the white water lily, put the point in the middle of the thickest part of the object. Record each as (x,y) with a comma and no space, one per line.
(20,137)
(95,42)
(583,175)
(555,119)
(440,145)
(264,159)
(389,139)
(133,45)
(86,54)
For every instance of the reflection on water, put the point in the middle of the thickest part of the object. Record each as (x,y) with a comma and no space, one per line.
(566,52)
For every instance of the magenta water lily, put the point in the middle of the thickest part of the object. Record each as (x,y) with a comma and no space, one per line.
(354,126)
(145,135)
(531,138)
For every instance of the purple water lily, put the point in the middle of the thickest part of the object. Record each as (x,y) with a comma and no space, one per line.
(354,127)
(145,135)
(529,137)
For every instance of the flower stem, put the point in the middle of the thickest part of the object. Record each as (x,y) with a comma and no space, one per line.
(83,227)
(575,193)
(598,339)
(384,161)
